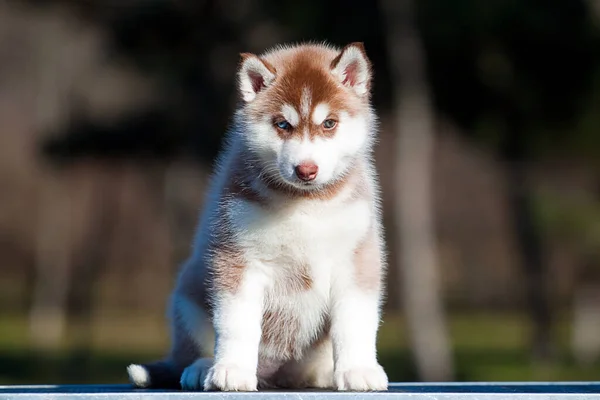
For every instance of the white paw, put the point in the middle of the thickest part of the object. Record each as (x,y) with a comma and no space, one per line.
(361,379)
(230,378)
(193,376)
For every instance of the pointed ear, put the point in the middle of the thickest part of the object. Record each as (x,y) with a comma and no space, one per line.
(254,75)
(353,68)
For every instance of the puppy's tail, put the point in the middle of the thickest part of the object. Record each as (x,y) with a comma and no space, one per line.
(156,375)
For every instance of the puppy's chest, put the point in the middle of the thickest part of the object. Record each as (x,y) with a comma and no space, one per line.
(312,234)
(298,247)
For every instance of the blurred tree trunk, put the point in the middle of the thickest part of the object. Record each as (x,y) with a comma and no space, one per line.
(528,239)
(96,225)
(48,309)
(48,312)
(414,220)
(585,336)
(585,333)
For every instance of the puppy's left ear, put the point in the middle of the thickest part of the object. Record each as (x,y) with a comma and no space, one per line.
(352,68)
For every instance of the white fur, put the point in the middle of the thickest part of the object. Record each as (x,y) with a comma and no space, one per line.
(237,324)
(333,155)
(354,340)
(290,114)
(237,320)
(323,237)
(138,375)
(292,236)
(320,113)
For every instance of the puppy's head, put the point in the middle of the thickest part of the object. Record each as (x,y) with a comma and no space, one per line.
(306,112)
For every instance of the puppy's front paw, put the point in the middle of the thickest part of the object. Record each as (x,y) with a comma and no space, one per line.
(230,378)
(361,379)
(193,376)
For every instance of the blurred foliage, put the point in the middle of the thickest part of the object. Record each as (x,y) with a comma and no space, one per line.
(574,219)
(486,347)
(491,65)
(531,60)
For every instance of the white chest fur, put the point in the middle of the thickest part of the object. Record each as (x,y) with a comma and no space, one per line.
(314,240)
(315,233)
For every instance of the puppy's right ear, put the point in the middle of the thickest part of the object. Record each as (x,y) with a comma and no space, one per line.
(353,68)
(254,75)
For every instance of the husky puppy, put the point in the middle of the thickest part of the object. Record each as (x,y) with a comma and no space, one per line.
(284,285)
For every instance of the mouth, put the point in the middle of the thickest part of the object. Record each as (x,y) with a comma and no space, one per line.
(303,185)
(279,180)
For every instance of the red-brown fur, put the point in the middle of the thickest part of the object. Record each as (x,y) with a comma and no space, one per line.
(306,69)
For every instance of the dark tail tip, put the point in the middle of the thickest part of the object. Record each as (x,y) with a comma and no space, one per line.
(158,375)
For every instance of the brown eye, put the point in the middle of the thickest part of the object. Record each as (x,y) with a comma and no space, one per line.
(329,124)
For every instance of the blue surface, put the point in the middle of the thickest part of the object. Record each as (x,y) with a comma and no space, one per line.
(446,391)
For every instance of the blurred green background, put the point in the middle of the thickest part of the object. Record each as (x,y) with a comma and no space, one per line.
(111,114)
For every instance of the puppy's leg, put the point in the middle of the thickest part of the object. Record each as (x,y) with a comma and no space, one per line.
(237,323)
(194,375)
(354,331)
(193,339)
(314,370)
(355,320)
